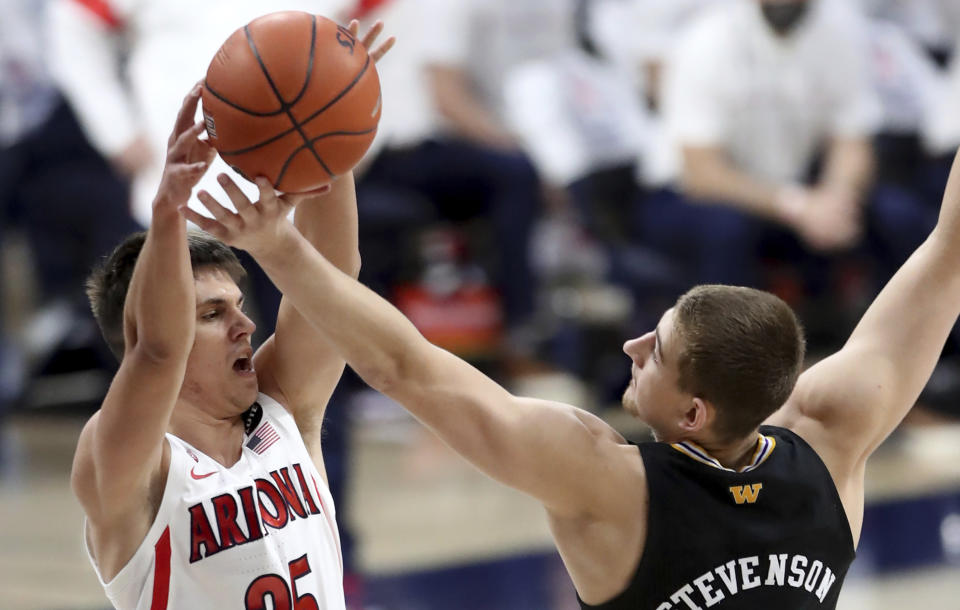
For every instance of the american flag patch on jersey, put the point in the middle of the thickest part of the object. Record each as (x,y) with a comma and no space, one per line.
(262,438)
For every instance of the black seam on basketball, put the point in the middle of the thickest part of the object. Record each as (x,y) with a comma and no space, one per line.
(269,140)
(342,133)
(237,106)
(286,107)
(345,90)
(313,45)
(286,164)
(287,132)
(303,90)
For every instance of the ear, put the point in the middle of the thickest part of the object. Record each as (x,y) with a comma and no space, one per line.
(697,416)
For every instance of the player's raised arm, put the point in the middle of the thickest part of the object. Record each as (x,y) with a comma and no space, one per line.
(555,452)
(120,448)
(296,364)
(848,403)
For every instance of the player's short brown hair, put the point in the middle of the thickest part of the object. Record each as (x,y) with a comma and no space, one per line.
(740,348)
(109,281)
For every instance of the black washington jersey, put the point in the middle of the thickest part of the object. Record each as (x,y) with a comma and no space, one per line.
(774,535)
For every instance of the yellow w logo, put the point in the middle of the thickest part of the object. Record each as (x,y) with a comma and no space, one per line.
(746,493)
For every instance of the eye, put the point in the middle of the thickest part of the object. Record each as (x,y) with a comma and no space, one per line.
(212,315)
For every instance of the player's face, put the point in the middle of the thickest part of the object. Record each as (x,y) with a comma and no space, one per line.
(220,370)
(653,394)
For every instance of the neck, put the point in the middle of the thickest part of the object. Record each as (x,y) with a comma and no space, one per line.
(734,455)
(220,439)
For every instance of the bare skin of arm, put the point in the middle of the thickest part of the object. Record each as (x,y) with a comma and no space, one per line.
(586,475)
(296,366)
(847,404)
(121,457)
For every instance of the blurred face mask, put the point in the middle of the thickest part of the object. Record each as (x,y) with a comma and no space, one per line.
(783,17)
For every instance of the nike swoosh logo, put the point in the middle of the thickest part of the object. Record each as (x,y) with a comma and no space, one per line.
(200,476)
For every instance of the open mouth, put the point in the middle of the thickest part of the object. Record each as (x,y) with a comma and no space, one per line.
(243,365)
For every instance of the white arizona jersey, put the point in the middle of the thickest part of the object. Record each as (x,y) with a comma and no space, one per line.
(234,538)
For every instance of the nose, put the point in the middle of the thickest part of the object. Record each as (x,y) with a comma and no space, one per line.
(242,327)
(639,347)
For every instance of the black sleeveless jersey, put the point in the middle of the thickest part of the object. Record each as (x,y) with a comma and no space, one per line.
(774,537)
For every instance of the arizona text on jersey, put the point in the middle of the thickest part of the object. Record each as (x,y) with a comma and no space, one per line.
(261,533)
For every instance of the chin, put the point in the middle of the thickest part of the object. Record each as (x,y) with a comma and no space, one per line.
(246,396)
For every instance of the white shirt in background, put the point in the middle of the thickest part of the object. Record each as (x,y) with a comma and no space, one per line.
(575,114)
(635,34)
(27,95)
(125,68)
(931,23)
(942,129)
(770,102)
(908,82)
(408,116)
(488,37)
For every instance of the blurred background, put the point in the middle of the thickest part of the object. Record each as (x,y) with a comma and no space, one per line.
(549,175)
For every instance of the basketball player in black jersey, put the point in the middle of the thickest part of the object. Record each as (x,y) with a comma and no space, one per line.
(753,495)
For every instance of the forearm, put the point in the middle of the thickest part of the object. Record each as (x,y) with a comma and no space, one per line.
(329,223)
(160,308)
(707,175)
(849,166)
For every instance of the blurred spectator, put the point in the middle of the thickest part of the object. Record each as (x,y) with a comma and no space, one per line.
(452,155)
(932,24)
(638,36)
(57,190)
(771,105)
(909,85)
(943,129)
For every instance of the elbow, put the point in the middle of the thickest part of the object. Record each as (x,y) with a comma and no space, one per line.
(389,373)
(382,377)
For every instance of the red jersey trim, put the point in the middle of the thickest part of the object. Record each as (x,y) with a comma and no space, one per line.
(101,10)
(364,7)
(161,572)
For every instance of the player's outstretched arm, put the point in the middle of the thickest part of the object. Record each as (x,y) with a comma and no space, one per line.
(555,452)
(296,365)
(120,448)
(849,403)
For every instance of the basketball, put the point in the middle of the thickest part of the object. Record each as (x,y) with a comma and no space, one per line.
(293,97)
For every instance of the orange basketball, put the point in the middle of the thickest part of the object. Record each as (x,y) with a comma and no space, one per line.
(293,97)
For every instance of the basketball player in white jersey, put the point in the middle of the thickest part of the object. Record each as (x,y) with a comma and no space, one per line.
(754,496)
(201,475)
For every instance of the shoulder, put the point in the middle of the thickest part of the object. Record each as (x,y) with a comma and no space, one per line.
(85,476)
